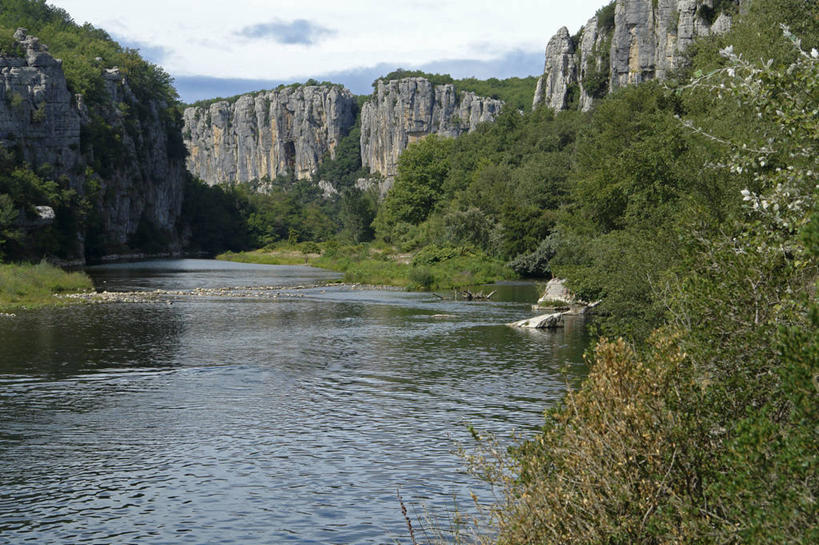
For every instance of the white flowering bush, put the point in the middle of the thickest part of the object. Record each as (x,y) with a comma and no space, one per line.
(783,156)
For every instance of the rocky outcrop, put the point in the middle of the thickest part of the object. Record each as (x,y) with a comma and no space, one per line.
(403,111)
(37,112)
(121,145)
(644,40)
(145,189)
(544,321)
(556,292)
(283,132)
(381,186)
(558,297)
(559,72)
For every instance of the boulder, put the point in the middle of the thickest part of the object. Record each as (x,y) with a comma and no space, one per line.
(557,292)
(544,321)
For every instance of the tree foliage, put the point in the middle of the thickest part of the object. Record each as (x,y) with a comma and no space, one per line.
(705,433)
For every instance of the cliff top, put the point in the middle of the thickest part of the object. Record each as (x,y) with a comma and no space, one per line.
(232,99)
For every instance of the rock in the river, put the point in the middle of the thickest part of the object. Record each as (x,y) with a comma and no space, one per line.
(558,296)
(544,321)
(267,134)
(404,111)
(557,292)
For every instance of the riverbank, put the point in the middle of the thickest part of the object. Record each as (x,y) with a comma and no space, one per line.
(432,268)
(26,286)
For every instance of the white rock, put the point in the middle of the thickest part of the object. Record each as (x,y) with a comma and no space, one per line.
(544,321)
(556,290)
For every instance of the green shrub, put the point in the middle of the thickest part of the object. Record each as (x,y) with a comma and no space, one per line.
(38,114)
(421,279)
(536,264)
(433,254)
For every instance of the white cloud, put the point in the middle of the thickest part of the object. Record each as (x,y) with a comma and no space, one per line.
(204,37)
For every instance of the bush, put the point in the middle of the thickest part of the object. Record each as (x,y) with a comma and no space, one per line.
(421,279)
(536,264)
(433,254)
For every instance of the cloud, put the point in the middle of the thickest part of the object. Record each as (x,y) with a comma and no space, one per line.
(156,54)
(515,63)
(298,32)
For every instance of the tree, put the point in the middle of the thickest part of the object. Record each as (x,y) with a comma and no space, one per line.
(422,169)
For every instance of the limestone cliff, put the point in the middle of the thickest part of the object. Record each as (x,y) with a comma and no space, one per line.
(36,109)
(143,187)
(129,158)
(559,72)
(403,111)
(625,43)
(286,131)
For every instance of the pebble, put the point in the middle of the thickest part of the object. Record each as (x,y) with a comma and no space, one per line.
(157,295)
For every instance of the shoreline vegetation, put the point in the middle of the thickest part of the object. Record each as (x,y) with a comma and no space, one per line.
(432,268)
(25,286)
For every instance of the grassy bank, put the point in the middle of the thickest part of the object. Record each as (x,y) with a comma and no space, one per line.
(26,286)
(430,269)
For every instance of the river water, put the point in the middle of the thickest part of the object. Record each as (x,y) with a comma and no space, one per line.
(271,414)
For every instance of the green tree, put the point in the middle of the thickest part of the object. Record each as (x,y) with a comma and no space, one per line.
(422,169)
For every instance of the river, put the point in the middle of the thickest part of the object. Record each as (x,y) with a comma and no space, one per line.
(277,413)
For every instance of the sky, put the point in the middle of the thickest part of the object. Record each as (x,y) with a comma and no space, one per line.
(226,47)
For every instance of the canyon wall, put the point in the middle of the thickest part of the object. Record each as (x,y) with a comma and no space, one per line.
(135,161)
(625,43)
(283,132)
(403,111)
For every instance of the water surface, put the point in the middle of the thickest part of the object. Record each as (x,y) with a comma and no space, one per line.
(286,414)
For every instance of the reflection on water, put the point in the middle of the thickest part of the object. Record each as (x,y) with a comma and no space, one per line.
(257,420)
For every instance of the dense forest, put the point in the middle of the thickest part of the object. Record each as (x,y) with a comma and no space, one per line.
(690,208)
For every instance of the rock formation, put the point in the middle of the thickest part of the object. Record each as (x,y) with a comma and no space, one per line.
(559,72)
(286,131)
(544,321)
(403,111)
(36,110)
(644,40)
(142,185)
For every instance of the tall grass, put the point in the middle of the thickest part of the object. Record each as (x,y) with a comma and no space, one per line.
(376,265)
(30,286)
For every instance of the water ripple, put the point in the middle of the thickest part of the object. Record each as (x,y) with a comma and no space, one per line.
(246,421)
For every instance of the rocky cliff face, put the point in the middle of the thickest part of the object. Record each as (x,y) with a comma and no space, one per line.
(144,186)
(559,72)
(140,185)
(36,110)
(286,131)
(403,111)
(645,39)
